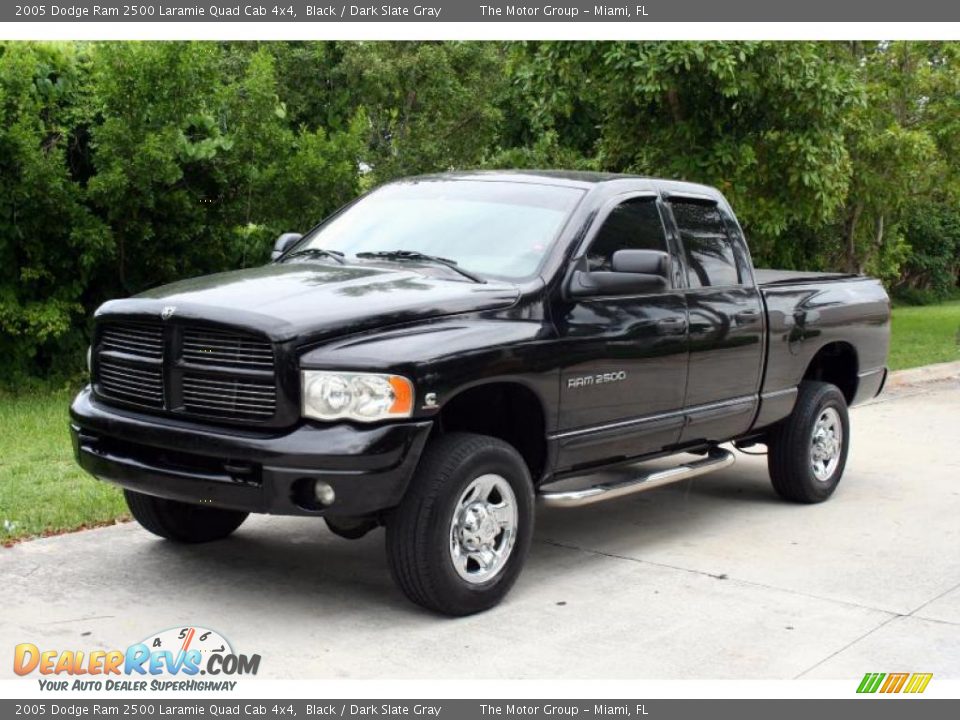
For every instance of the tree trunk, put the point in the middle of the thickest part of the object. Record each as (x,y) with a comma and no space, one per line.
(673,101)
(850,231)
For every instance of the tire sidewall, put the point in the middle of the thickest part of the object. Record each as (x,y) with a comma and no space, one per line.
(501,461)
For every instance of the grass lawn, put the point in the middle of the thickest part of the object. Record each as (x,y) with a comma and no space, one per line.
(925,334)
(42,490)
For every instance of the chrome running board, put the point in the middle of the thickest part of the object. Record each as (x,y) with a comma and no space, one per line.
(717,459)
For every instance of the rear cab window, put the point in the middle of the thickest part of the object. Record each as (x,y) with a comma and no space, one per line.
(712,257)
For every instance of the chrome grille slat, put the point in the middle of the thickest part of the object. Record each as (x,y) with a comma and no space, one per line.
(238,382)
(133,330)
(145,390)
(218,393)
(129,370)
(239,343)
(130,333)
(253,408)
(142,386)
(228,358)
(206,352)
(135,397)
(219,388)
(221,361)
(130,343)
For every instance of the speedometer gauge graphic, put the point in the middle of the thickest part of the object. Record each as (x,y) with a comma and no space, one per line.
(182,639)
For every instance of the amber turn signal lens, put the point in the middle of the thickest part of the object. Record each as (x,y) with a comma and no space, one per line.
(403,396)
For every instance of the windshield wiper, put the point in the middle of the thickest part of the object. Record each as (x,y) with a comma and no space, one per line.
(421,257)
(316,252)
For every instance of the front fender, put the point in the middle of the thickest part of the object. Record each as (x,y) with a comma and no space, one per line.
(446,357)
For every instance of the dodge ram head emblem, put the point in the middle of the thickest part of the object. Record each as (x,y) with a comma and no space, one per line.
(167,312)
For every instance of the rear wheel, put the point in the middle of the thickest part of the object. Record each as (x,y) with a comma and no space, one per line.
(461,534)
(808,450)
(182,522)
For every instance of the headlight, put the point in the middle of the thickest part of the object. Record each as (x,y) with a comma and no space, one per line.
(365,397)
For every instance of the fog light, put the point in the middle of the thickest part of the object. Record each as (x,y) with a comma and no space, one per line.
(323,493)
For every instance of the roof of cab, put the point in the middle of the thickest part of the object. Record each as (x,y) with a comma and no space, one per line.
(572,178)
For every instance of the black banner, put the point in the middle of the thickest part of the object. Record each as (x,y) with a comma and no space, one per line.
(872,709)
(477,11)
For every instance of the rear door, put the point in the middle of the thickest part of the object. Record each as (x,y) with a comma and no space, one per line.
(726,321)
(622,384)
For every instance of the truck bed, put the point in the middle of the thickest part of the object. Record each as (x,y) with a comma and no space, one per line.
(767,276)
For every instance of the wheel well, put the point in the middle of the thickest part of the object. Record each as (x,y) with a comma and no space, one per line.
(508,411)
(836,363)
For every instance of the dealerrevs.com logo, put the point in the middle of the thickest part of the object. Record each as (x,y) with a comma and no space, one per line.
(170,660)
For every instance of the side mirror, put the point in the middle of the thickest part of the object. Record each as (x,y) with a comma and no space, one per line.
(647,262)
(284,243)
(635,272)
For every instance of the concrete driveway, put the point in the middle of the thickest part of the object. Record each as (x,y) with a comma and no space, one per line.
(713,578)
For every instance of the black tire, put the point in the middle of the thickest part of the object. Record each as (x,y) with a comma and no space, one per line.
(351,528)
(790,443)
(419,531)
(182,522)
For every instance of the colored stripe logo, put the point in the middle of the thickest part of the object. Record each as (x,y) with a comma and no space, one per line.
(894,683)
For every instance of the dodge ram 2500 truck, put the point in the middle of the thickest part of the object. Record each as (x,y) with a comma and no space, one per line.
(445,350)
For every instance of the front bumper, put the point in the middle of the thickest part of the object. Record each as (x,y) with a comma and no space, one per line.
(369,468)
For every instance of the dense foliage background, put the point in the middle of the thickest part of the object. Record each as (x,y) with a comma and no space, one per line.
(127,165)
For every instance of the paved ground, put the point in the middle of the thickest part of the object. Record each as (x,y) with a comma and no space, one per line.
(713,578)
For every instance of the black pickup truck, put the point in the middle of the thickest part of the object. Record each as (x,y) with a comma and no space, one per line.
(445,350)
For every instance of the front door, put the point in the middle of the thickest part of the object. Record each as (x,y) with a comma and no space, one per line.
(625,372)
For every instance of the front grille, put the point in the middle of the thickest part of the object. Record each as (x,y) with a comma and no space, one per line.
(131,383)
(138,339)
(243,399)
(187,369)
(226,349)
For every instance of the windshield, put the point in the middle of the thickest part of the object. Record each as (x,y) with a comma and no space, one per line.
(491,228)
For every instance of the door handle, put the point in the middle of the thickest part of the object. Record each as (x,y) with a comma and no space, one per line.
(747,317)
(672,325)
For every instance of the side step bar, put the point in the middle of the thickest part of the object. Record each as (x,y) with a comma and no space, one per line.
(717,459)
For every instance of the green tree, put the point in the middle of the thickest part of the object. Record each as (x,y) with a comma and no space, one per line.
(430,106)
(198,165)
(763,121)
(50,242)
(894,156)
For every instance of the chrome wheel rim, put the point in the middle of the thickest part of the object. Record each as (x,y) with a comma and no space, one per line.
(826,444)
(483,529)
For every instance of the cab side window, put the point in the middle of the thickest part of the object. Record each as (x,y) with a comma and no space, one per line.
(631,225)
(709,251)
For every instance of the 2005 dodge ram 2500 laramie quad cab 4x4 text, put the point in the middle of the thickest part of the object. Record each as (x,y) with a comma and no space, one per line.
(446,349)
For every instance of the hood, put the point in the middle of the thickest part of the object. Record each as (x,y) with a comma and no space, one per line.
(312,300)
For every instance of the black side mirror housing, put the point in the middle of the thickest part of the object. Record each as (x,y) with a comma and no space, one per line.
(634,272)
(284,243)
(646,262)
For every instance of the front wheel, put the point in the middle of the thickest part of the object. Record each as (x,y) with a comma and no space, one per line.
(808,450)
(459,538)
(182,522)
